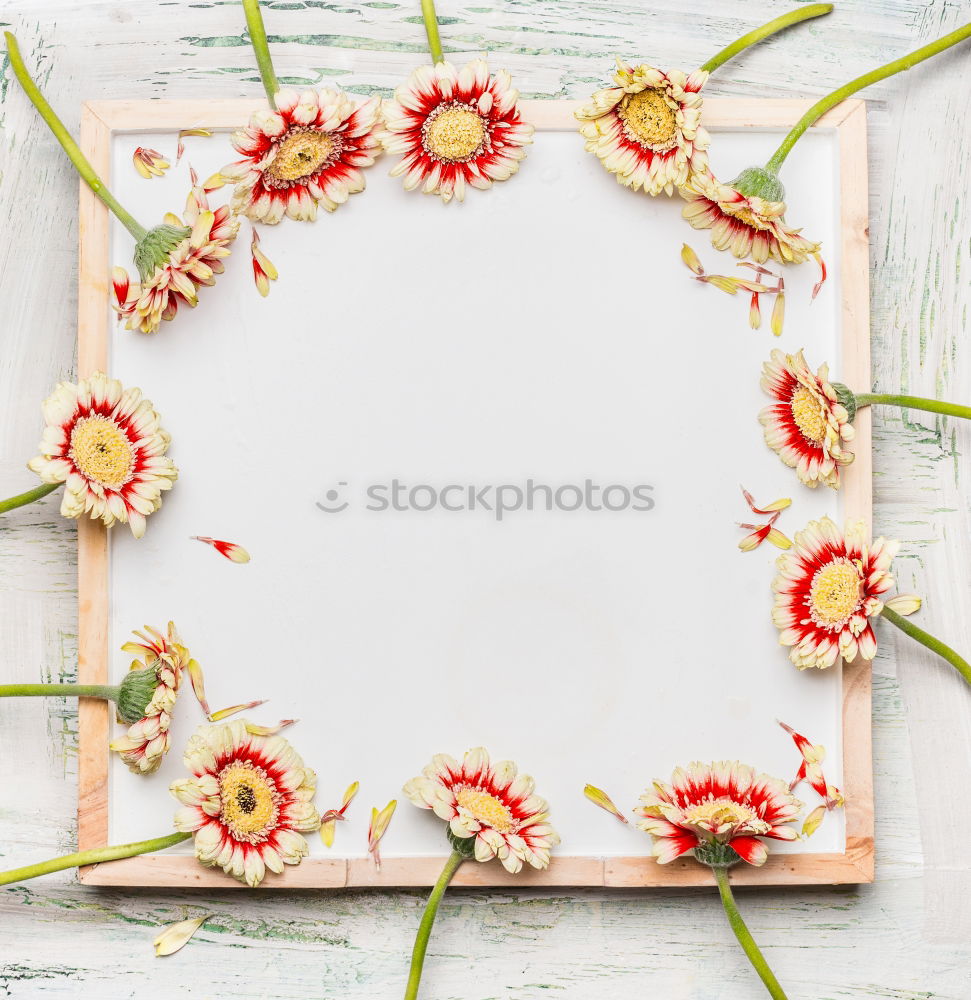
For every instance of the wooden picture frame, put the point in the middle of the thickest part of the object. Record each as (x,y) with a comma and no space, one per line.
(99,121)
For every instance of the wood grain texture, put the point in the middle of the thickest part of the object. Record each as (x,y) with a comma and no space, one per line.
(905,937)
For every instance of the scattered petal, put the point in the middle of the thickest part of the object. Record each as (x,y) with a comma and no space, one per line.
(778,539)
(602,799)
(378,828)
(778,311)
(757,268)
(811,824)
(691,259)
(149,162)
(811,769)
(754,540)
(330,819)
(199,686)
(214,182)
(754,312)
(177,936)
(904,604)
(772,508)
(233,552)
(263,270)
(185,132)
(225,713)
(722,282)
(822,277)
(255,730)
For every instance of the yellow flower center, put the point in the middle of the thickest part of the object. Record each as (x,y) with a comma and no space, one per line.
(102,452)
(486,808)
(250,801)
(301,154)
(454,133)
(650,119)
(808,415)
(835,593)
(719,812)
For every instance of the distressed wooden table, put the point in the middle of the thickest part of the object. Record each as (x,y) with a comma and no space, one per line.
(908,935)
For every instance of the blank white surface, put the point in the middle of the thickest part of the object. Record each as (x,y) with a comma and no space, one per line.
(544,330)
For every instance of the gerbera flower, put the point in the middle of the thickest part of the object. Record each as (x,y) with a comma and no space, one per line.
(828,587)
(491,812)
(747,225)
(174,261)
(147,740)
(309,151)
(710,807)
(489,805)
(249,802)
(455,128)
(647,129)
(746,217)
(808,425)
(105,442)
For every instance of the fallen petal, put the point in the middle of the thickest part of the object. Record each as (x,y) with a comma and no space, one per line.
(233,552)
(183,134)
(176,936)
(778,539)
(378,828)
(149,162)
(771,508)
(225,713)
(691,259)
(822,276)
(812,821)
(198,686)
(602,799)
(255,730)
(754,540)
(778,314)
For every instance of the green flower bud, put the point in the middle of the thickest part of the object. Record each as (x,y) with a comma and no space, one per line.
(464,845)
(716,855)
(135,692)
(155,247)
(757,182)
(845,395)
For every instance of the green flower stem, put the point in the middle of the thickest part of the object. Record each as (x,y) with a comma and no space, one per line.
(744,936)
(455,859)
(913,403)
(92,857)
(431,29)
(80,161)
(837,96)
(960,664)
(22,499)
(257,37)
(771,28)
(106,692)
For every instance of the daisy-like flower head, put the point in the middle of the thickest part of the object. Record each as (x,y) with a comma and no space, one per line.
(647,129)
(714,807)
(308,152)
(248,803)
(827,589)
(808,424)
(455,128)
(746,224)
(163,658)
(174,260)
(491,803)
(105,443)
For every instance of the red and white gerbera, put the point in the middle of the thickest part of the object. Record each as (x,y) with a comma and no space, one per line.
(175,260)
(828,587)
(745,225)
(647,129)
(308,152)
(490,802)
(716,805)
(105,443)
(455,128)
(147,740)
(807,426)
(248,803)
